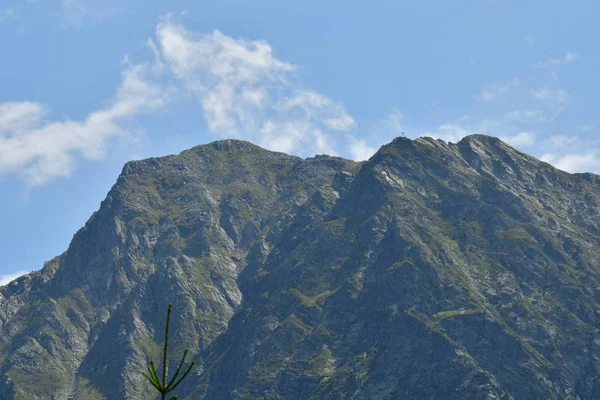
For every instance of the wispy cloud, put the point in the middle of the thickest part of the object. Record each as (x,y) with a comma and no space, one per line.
(496,91)
(587,161)
(382,131)
(6,279)
(394,124)
(450,132)
(519,126)
(521,139)
(570,57)
(572,153)
(40,149)
(242,88)
(246,91)
(454,132)
(360,149)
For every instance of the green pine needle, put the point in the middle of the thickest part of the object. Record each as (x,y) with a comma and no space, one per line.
(152,376)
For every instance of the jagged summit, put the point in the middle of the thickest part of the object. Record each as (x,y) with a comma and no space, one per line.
(433,270)
(470,147)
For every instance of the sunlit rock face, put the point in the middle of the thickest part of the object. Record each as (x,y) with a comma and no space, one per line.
(432,271)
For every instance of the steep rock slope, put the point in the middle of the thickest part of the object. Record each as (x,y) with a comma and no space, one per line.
(434,270)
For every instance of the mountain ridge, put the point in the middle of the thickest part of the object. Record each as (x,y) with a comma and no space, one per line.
(431,270)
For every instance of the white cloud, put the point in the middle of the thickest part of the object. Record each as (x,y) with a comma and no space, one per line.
(41,149)
(360,149)
(245,91)
(285,136)
(340,122)
(382,131)
(316,106)
(20,116)
(569,58)
(7,278)
(497,91)
(394,125)
(521,139)
(571,153)
(574,162)
(449,132)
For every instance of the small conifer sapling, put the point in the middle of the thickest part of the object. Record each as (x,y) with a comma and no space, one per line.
(162,385)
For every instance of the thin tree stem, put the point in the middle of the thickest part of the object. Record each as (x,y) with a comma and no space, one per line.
(164,375)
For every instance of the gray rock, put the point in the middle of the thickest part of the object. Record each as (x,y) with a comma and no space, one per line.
(432,271)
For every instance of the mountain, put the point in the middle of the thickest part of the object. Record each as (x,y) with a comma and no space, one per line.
(431,271)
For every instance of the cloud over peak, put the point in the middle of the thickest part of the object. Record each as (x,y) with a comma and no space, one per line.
(246,91)
(242,88)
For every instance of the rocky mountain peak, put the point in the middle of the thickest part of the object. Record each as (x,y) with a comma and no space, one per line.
(433,270)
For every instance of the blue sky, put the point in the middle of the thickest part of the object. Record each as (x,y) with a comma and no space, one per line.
(86,86)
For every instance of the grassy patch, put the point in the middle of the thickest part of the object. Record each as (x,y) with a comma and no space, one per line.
(400,264)
(455,313)
(312,301)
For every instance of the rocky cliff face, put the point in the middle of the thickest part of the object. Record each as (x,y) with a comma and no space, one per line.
(433,271)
